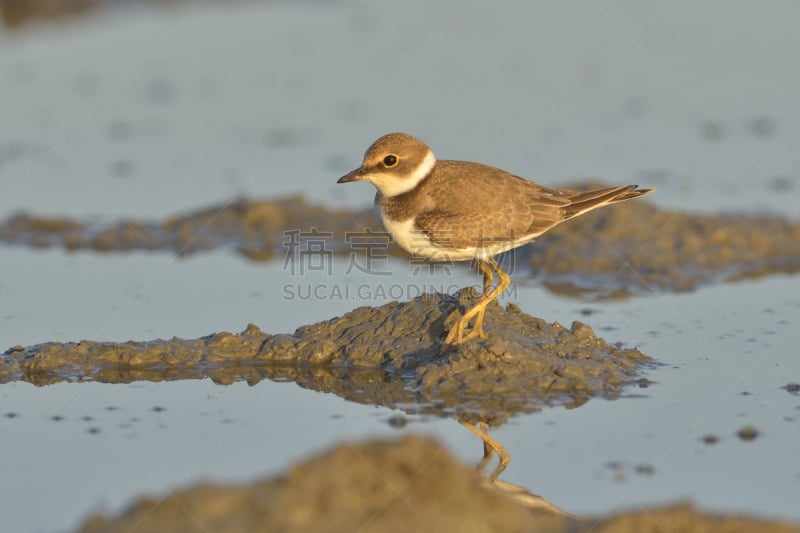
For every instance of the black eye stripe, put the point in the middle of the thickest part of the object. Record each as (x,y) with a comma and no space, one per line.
(390,160)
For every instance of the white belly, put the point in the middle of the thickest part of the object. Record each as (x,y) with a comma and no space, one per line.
(416,242)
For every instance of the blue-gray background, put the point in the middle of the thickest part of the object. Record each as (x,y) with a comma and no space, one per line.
(145,112)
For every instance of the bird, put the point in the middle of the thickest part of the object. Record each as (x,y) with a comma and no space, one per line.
(448,210)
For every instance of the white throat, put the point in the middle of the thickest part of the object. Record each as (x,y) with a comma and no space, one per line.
(391,185)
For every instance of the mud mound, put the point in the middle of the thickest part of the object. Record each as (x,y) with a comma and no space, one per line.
(409,485)
(386,355)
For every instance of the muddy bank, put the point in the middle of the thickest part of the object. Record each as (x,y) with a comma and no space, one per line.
(390,355)
(20,12)
(259,230)
(16,12)
(407,485)
(610,253)
(638,248)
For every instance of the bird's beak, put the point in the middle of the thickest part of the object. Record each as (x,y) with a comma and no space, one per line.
(354,175)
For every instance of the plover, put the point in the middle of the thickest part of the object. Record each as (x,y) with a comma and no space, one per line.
(457,211)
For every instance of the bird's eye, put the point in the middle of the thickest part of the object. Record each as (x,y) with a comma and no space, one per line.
(390,160)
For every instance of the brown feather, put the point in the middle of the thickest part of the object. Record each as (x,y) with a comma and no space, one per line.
(477,204)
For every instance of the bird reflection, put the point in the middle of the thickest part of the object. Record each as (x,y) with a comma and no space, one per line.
(490,446)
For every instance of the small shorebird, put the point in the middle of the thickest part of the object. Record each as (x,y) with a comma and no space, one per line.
(458,211)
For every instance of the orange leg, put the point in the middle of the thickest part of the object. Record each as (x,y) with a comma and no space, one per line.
(488,275)
(460,333)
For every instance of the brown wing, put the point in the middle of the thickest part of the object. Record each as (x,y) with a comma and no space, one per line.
(477,205)
(581,202)
(484,205)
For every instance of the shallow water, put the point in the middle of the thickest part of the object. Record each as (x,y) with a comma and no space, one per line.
(96,123)
(724,366)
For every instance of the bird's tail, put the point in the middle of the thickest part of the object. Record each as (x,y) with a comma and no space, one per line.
(586,201)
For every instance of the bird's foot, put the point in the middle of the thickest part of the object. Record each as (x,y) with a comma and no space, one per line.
(461,333)
(455,336)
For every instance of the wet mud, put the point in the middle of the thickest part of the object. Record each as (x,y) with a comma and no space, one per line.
(408,485)
(610,253)
(17,13)
(260,230)
(390,355)
(639,248)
